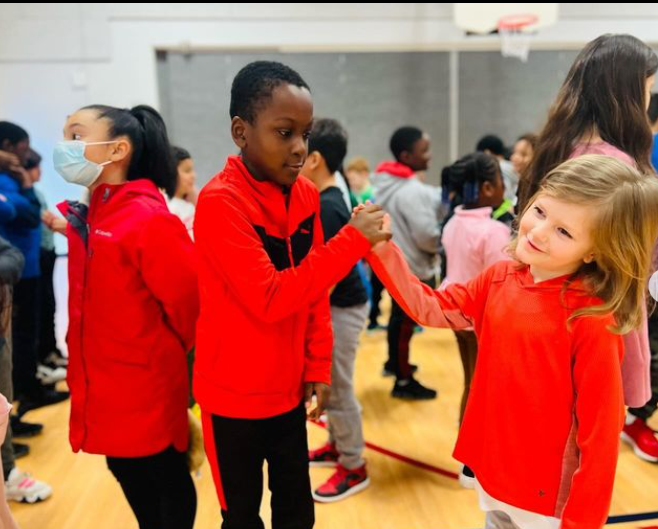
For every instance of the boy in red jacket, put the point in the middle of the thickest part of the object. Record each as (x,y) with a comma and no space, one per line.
(264,332)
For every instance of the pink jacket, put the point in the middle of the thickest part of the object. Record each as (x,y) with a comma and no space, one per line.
(473,241)
(637,357)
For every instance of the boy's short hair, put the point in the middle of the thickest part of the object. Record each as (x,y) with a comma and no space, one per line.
(12,132)
(329,138)
(358,164)
(491,143)
(403,139)
(179,154)
(653,109)
(254,84)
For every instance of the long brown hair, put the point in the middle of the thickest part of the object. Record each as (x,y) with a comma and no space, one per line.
(603,92)
(625,227)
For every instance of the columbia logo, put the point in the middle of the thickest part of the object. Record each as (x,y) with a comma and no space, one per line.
(103,233)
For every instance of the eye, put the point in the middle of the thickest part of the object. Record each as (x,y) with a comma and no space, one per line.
(307,134)
(539,211)
(564,232)
(285,132)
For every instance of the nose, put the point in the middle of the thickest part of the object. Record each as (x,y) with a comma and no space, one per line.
(540,232)
(299,147)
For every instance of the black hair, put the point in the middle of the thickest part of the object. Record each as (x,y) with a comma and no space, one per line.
(653,109)
(147,133)
(32,160)
(12,132)
(491,143)
(329,138)
(254,84)
(403,140)
(179,154)
(466,175)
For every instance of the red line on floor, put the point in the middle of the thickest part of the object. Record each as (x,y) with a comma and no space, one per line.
(403,458)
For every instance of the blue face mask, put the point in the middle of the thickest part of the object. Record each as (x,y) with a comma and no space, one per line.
(70,162)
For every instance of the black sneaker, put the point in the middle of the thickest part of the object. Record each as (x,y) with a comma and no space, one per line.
(467,478)
(20,450)
(45,397)
(389,371)
(411,389)
(20,429)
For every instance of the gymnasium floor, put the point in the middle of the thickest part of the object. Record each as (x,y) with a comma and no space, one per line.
(403,494)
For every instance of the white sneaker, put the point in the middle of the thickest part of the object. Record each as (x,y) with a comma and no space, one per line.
(22,487)
(50,374)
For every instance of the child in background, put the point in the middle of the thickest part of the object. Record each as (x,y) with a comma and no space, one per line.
(180,203)
(358,176)
(349,307)
(415,209)
(473,240)
(541,442)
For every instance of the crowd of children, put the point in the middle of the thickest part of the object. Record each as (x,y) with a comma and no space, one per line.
(271,275)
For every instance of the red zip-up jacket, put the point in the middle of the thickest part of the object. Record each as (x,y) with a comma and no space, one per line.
(264,273)
(542,423)
(133,305)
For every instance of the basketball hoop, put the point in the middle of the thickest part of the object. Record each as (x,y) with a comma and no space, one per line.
(514,36)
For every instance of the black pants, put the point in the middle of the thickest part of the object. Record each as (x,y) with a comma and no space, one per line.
(47,342)
(241,446)
(400,331)
(377,289)
(158,488)
(646,411)
(25,329)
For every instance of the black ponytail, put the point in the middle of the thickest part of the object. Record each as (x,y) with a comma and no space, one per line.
(464,178)
(151,157)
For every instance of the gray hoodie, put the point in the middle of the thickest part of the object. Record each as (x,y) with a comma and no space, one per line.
(416,212)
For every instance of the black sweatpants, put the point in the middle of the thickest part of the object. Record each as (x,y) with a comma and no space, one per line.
(25,330)
(400,331)
(158,488)
(47,342)
(237,449)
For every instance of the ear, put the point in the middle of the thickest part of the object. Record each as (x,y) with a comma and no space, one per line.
(487,189)
(6,146)
(313,160)
(238,132)
(589,258)
(405,157)
(120,150)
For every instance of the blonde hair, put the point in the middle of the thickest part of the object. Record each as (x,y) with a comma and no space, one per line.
(358,164)
(624,233)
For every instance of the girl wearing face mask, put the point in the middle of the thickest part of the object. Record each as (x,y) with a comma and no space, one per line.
(133,304)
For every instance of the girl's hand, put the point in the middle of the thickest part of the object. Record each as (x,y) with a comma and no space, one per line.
(54,223)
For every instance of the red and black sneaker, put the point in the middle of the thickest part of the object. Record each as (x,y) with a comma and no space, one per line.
(342,484)
(325,456)
(642,439)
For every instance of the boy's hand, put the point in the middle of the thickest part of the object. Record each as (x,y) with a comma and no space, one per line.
(369,221)
(321,391)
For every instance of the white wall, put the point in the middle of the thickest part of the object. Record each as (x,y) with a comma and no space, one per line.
(55,58)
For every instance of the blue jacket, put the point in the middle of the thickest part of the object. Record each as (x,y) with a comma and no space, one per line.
(24,229)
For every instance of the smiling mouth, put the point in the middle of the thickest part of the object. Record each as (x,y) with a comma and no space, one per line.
(533,246)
